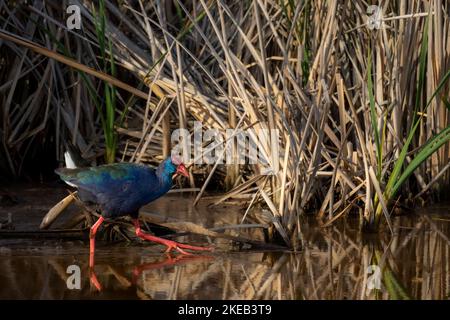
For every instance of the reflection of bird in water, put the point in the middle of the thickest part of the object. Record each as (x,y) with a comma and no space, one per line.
(138,270)
(121,189)
(169,261)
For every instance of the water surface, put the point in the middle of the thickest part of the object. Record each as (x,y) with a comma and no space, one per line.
(334,263)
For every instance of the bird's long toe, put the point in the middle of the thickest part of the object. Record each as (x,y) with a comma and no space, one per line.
(172,245)
(195,248)
(94,280)
(175,247)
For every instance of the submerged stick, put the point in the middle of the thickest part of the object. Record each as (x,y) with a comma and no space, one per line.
(184,226)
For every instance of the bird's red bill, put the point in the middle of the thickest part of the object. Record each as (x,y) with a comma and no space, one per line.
(181,169)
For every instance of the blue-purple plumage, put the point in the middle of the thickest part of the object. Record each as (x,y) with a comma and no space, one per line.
(122,188)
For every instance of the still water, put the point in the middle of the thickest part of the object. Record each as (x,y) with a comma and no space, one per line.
(334,263)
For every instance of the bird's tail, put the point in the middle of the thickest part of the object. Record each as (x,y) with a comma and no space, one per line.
(72,160)
(68,158)
(70,164)
(73,157)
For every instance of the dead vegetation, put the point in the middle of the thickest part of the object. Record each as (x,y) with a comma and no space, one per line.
(297,66)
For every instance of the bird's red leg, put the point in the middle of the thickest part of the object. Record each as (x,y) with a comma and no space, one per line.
(94,229)
(94,280)
(92,233)
(169,243)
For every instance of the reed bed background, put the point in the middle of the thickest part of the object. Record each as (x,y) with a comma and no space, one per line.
(344,96)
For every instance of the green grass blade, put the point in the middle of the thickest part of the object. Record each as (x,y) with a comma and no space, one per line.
(446,103)
(428,149)
(399,163)
(422,68)
(402,156)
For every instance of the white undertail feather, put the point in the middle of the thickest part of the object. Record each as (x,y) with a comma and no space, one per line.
(70,164)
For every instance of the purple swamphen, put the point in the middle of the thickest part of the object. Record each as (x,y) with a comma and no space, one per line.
(121,189)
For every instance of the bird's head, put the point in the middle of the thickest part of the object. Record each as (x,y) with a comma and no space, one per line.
(174,165)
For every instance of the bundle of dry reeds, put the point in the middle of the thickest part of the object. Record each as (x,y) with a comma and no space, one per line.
(342,87)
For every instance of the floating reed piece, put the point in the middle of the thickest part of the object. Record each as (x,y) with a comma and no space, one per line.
(343,89)
(54,212)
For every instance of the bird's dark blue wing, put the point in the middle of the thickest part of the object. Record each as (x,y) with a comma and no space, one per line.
(117,188)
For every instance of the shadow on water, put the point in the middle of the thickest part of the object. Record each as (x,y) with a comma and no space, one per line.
(335,263)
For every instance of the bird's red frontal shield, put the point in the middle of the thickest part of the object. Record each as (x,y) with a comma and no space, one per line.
(181,169)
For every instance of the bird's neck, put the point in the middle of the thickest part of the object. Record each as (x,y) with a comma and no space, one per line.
(164,178)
